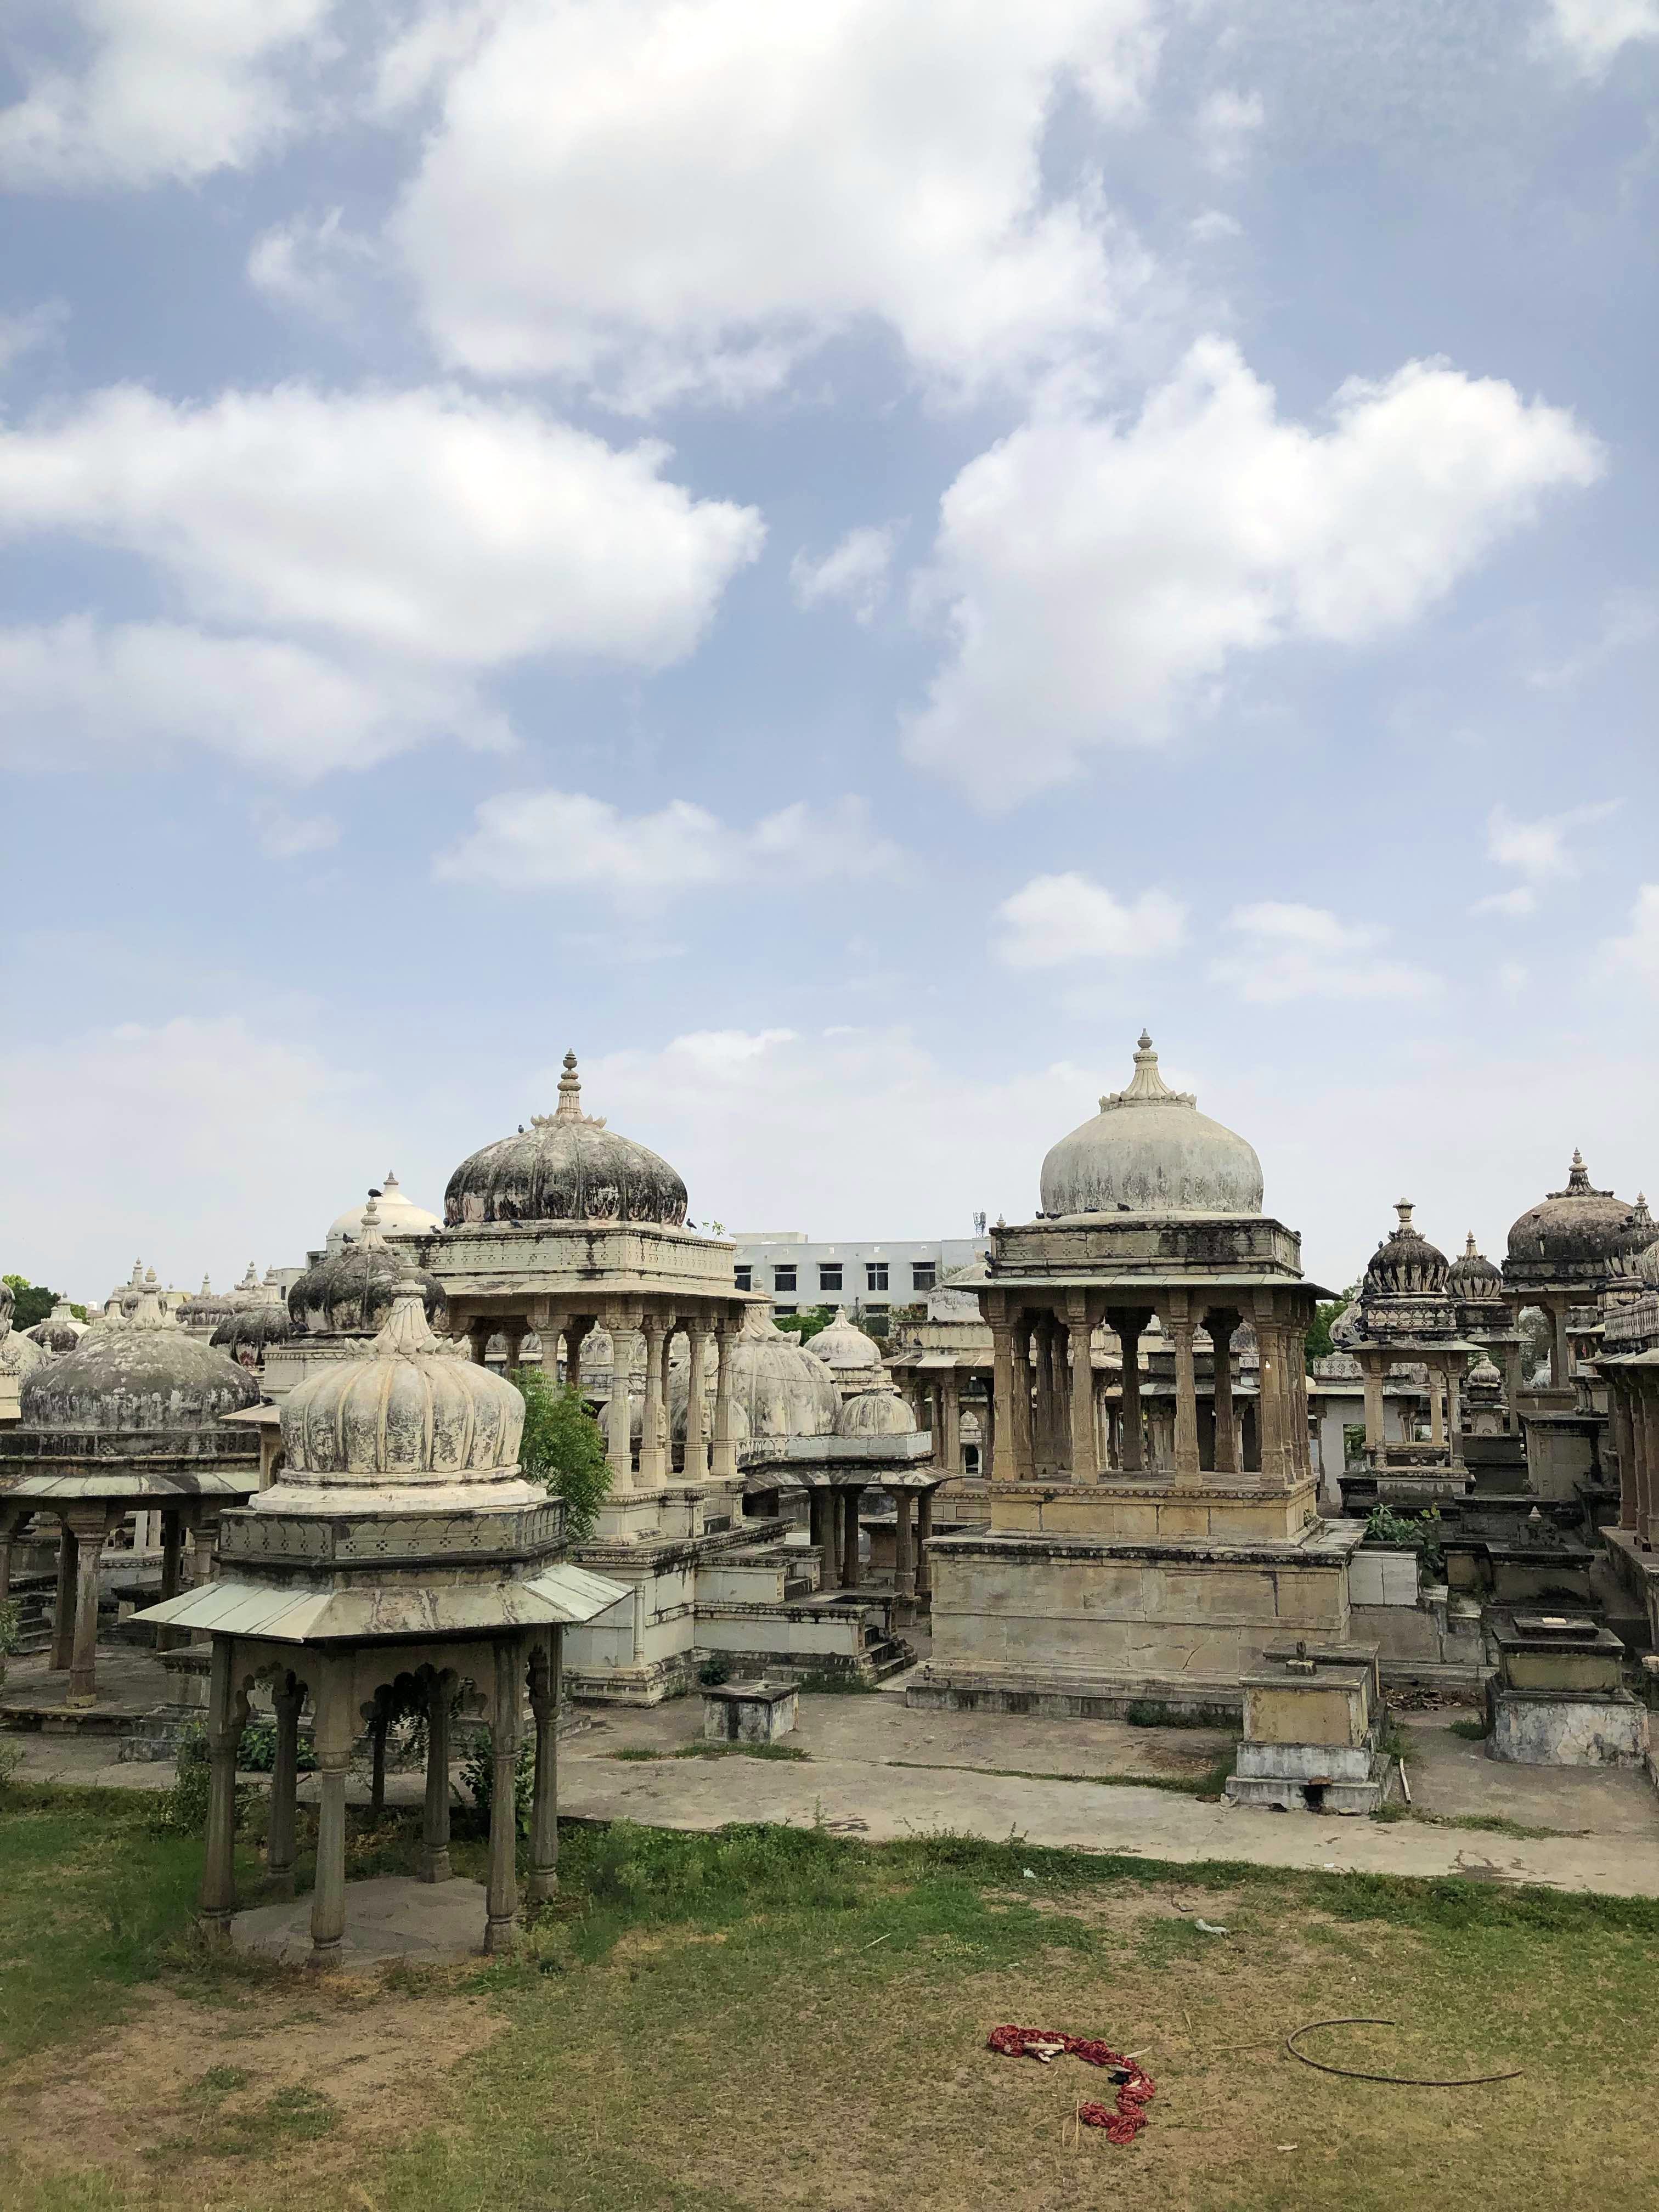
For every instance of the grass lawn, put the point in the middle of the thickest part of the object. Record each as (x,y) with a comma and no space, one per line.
(776,2018)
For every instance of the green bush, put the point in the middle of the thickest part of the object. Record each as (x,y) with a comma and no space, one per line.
(258,1751)
(182,1810)
(478,1772)
(563,1450)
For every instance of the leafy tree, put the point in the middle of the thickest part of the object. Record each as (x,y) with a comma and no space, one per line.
(1327,1311)
(563,1450)
(35,1300)
(806,1325)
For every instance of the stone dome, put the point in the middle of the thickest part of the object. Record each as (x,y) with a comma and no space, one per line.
(1483,1379)
(1405,1264)
(1645,1267)
(348,1293)
(407,1412)
(400,1216)
(844,1347)
(567,1166)
(1577,1230)
(145,1375)
(1640,1233)
(204,1310)
(783,1390)
(1473,1277)
(1150,1151)
(18,1356)
(875,1413)
(59,1331)
(253,1329)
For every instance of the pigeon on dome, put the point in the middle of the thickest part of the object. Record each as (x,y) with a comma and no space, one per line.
(400,1216)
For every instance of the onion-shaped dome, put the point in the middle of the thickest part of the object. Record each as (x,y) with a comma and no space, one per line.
(875,1413)
(407,1412)
(350,1293)
(60,1332)
(247,1333)
(1577,1229)
(123,1301)
(1406,1265)
(844,1348)
(133,1376)
(1484,1382)
(1150,1151)
(1472,1279)
(18,1356)
(1640,1233)
(567,1166)
(782,1388)
(1645,1268)
(400,1216)
(204,1310)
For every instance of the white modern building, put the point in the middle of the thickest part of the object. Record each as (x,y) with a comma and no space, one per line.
(870,1280)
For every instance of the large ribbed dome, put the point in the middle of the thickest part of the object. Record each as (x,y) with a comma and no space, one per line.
(348,1292)
(1150,1151)
(1579,1228)
(782,1389)
(142,1375)
(400,1216)
(60,1332)
(408,1412)
(567,1166)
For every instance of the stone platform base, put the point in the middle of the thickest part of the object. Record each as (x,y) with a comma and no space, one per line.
(1280,1794)
(1563,1727)
(391,1917)
(1166,1699)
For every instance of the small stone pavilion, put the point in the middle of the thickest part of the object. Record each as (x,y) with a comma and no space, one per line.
(1407,1316)
(398,1556)
(139,1417)
(1097,1585)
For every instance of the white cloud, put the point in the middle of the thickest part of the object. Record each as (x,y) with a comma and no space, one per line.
(1226,121)
(1094,572)
(307,264)
(1055,919)
(1538,852)
(1637,953)
(158,89)
(1628,618)
(1590,32)
(557,840)
(664,197)
(22,333)
(853,573)
(77,692)
(1293,952)
(1214,227)
(288,836)
(422,523)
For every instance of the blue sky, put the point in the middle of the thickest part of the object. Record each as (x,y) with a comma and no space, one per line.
(838,561)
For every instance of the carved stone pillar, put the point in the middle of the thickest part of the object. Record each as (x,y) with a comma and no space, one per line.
(852,1570)
(333,1743)
(1023,1421)
(1182,1327)
(63,1611)
(513,1332)
(1271,1403)
(726,1451)
(1512,1385)
(502,1895)
(226,1714)
(1623,1432)
(619,1415)
(950,1398)
(576,1329)
(1560,1352)
(1130,1323)
(828,1539)
(904,1572)
(1079,1330)
(545,1670)
(924,1534)
(696,1432)
(286,1696)
(1221,1322)
(1000,1464)
(653,1473)
(434,1829)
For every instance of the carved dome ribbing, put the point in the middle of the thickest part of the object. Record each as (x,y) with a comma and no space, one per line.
(1472,1277)
(60,1332)
(142,1375)
(253,1329)
(349,1293)
(844,1347)
(1150,1151)
(1406,1264)
(783,1390)
(408,1412)
(567,1166)
(1577,1230)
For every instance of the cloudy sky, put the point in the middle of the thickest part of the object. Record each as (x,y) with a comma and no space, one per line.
(837,559)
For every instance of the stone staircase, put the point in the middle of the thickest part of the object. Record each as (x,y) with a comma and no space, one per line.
(886,1655)
(33,1596)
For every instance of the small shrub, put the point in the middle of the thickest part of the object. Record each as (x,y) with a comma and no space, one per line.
(478,1772)
(11,1631)
(257,1752)
(714,1674)
(182,1809)
(834,1684)
(1473,1730)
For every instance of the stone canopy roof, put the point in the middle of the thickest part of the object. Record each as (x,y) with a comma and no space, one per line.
(567,1166)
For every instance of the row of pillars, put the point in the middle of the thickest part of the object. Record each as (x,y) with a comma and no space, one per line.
(834,1527)
(85,1529)
(1445,1399)
(517,1663)
(1633,1401)
(1043,1385)
(706,1456)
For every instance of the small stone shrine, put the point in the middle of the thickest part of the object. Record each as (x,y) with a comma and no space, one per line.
(1313,1732)
(1559,1697)
(1407,1317)
(398,1556)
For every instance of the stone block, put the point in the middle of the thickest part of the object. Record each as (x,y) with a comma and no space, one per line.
(1546,1727)
(750,1712)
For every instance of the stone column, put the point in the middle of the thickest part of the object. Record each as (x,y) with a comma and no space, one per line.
(1560,1355)
(9,1524)
(904,1572)
(1129,1324)
(1023,1423)
(725,1452)
(204,1541)
(576,1329)
(618,1414)
(1042,1420)
(1270,1407)
(501,1902)
(514,1333)
(1371,1363)
(226,1715)
(653,1473)
(63,1611)
(1436,1424)
(434,1825)
(1221,1322)
(924,1536)
(1000,1465)
(663,1437)
(286,1696)
(851,1572)
(1079,1326)
(173,1553)
(1624,1431)
(1512,1384)
(988,1432)
(828,1540)
(696,1431)
(1180,1322)
(1454,1409)
(545,1658)
(378,1727)
(332,1704)
(1647,1466)
(950,1398)
(478,1333)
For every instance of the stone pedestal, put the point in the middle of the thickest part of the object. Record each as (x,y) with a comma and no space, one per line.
(1559,1697)
(750,1712)
(1313,1724)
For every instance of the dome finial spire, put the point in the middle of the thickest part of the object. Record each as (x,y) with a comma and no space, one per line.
(570,1092)
(1146,1083)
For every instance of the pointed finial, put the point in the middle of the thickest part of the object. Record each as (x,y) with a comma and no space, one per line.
(1145,1042)
(371,1222)
(149,1279)
(1402,1207)
(570,1091)
(1469,1250)
(391,1181)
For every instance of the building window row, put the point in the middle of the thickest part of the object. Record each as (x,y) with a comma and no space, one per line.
(832,1277)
